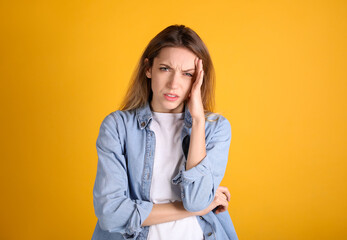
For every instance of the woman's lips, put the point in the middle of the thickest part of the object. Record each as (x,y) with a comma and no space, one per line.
(172,97)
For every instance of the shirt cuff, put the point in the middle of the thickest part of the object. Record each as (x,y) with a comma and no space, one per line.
(141,212)
(195,173)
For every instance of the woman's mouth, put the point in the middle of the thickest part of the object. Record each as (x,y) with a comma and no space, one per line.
(171,97)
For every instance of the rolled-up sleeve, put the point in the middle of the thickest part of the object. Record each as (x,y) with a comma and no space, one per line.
(115,211)
(199,184)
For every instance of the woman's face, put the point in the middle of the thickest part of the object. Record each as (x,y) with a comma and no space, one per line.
(171,79)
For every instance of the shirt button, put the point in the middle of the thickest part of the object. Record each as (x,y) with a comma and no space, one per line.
(209,234)
(201,218)
(143,124)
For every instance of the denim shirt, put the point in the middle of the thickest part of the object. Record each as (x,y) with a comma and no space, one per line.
(121,194)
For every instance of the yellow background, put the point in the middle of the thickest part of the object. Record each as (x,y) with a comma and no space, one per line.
(281,82)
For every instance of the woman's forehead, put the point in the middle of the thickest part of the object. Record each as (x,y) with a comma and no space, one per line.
(176,57)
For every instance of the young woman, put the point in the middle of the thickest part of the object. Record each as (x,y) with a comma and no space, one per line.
(164,154)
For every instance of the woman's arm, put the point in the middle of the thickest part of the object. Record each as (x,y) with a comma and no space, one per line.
(168,212)
(197,149)
(200,182)
(115,211)
(200,177)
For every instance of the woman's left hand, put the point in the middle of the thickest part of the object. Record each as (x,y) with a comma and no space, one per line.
(220,202)
(195,105)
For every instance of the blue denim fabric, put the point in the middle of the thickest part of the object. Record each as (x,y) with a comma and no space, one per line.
(126,148)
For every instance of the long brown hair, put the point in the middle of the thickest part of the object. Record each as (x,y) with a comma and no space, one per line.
(140,92)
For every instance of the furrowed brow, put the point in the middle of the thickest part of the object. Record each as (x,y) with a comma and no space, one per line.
(182,70)
(189,70)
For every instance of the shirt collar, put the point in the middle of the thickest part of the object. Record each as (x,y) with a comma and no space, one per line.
(144,115)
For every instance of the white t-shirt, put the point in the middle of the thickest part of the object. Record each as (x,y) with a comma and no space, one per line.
(168,155)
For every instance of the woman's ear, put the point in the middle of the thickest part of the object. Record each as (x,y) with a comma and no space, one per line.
(148,69)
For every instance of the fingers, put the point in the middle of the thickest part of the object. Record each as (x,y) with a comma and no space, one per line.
(222,199)
(196,64)
(199,72)
(222,202)
(224,190)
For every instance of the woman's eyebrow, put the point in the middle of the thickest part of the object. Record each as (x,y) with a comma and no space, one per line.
(182,70)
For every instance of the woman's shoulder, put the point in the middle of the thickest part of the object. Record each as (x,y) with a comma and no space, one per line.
(216,118)
(216,122)
(118,117)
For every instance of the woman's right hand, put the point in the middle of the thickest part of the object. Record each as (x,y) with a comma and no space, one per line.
(221,200)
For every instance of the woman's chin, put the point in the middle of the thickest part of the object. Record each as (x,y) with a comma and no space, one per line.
(171,107)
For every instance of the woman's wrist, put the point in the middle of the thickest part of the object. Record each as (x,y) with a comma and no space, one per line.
(199,120)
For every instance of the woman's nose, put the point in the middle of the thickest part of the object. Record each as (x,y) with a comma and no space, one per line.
(174,80)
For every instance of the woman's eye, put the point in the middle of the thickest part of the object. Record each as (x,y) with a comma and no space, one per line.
(189,74)
(164,68)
